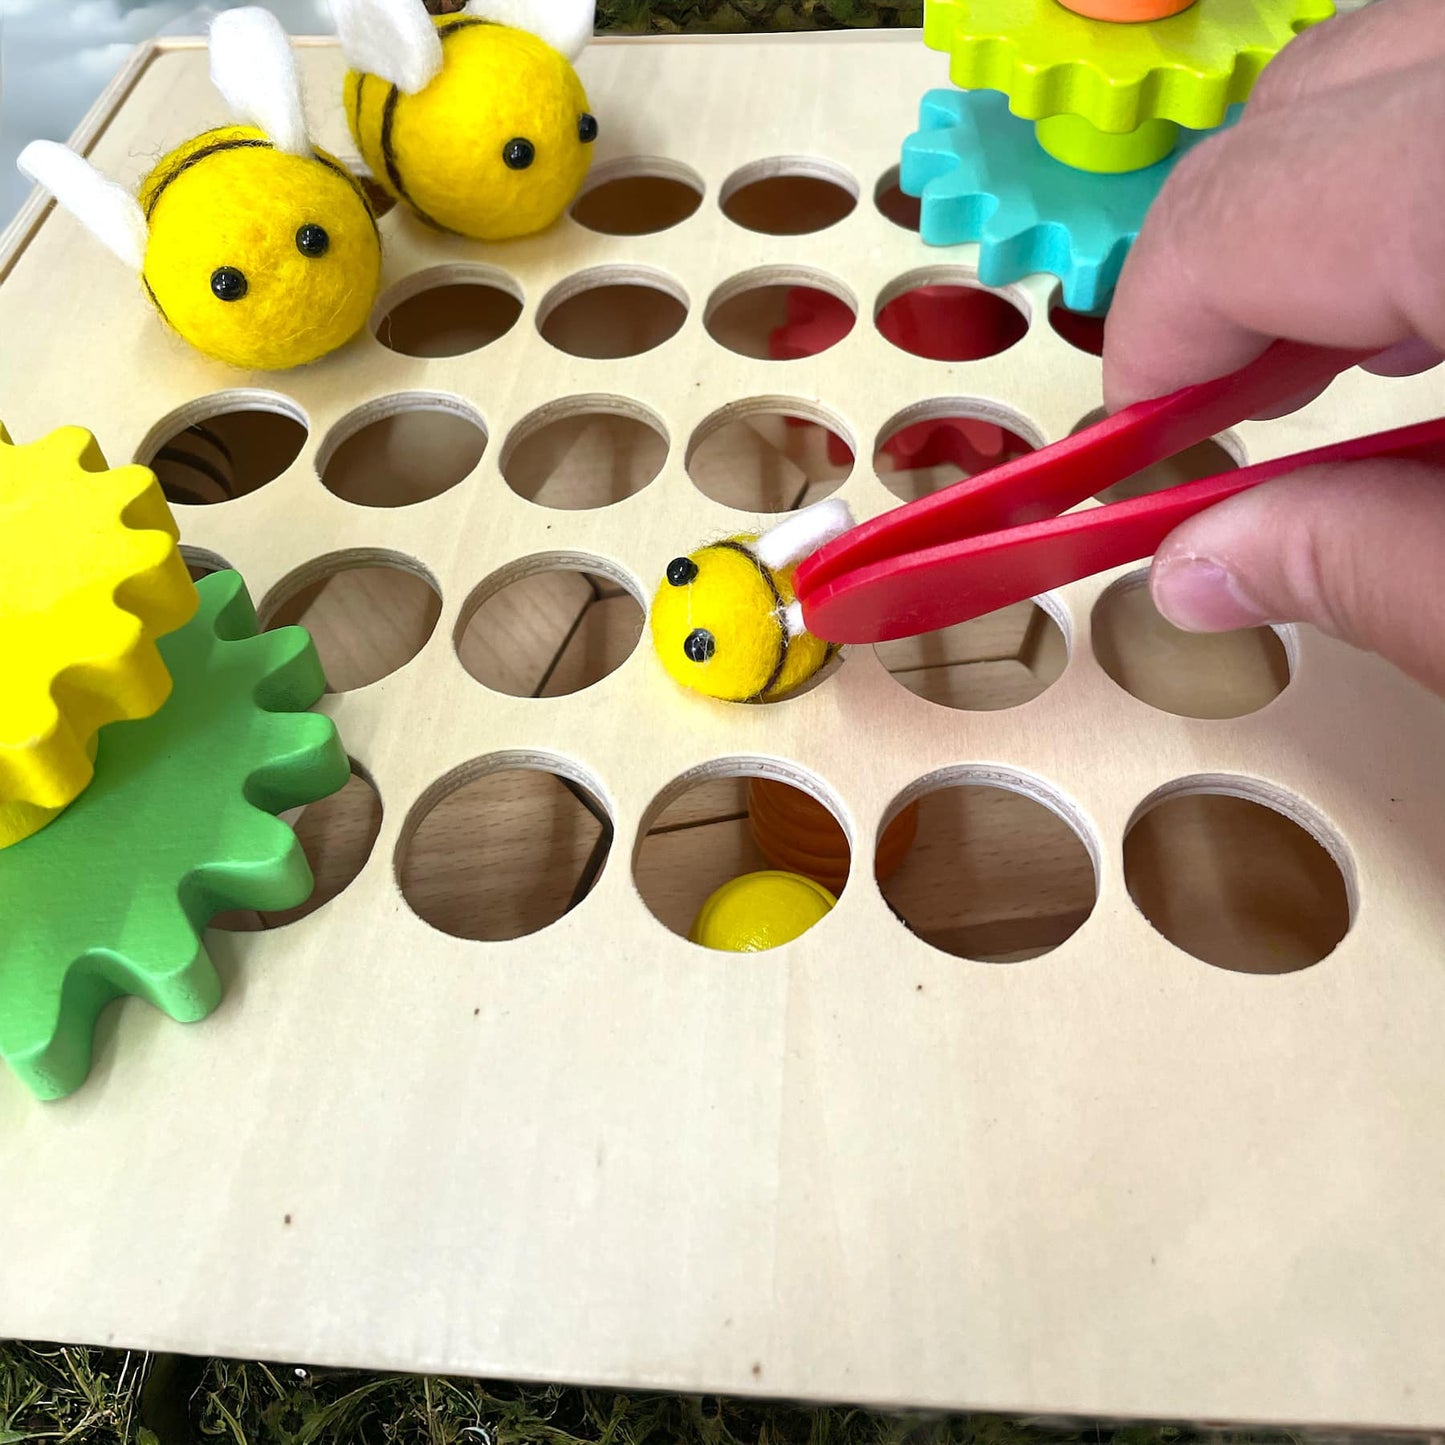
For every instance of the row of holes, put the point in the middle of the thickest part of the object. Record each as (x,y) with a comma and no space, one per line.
(766,455)
(775,313)
(982,867)
(785,196)
(545,628)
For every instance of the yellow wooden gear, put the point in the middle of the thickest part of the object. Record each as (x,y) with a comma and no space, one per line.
(90,577)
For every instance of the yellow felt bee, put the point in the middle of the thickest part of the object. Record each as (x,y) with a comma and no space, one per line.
(476,120)
(726,621)
(259,249)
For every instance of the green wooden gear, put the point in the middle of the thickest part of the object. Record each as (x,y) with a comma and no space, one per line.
(178,826)
(1111,97)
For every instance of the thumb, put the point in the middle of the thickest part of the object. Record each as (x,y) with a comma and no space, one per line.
(1356,550)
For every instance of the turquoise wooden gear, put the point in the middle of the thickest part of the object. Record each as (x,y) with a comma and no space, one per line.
(1067,127)
(983,177)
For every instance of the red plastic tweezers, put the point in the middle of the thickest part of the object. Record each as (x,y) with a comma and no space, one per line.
(1002,537)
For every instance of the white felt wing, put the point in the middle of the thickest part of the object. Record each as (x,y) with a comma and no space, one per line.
(393,39)
(565,25)
(803,533)
(108,211)
(254,68)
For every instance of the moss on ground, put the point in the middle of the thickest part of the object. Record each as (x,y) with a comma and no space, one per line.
(671,16)
(110,1397)
(734,15)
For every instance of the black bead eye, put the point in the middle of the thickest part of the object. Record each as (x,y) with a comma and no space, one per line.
(681,571)
(312,241)
(519,154)
(229,284)
(587,129)
(700,646)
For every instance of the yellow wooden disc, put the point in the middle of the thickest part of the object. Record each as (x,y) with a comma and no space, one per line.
(760,911)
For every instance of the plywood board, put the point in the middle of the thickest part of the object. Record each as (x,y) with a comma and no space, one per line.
(1104,1177)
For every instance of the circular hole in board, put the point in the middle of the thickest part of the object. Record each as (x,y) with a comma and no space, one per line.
(1239,875)
(504,847)
(781,314)
(999,871)
(774,454)
(612,312)
(904,211)
(700,834)
(400,450)
(943,314)
(222,447)
(937,443)
(1082,332)
(1223,453)
(584,452)
(549,626)
(337,835)
(1189,674)
(789,196)
(368,612)
(999,661)
(448,311)
(201,562)
(640,196)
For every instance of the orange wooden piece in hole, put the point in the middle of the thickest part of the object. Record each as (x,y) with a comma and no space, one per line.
(797,834)
(1127,11)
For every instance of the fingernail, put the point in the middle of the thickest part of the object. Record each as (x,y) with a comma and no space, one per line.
(1201,596)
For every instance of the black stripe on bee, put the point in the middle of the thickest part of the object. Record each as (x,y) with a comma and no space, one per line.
(361,79)
(248,144)
(195,158)
(338,169)
(393,170)
(155,300)
(388,125)
(779,608)
(462,22)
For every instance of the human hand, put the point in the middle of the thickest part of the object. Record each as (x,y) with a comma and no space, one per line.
(1319,218)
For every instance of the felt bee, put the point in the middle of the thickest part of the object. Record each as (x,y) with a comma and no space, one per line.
(476,120)
(260,250)
(726,621)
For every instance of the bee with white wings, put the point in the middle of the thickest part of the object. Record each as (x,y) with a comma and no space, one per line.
(476,120)
(258,248)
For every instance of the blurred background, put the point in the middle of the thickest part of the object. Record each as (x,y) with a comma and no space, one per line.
(56,58)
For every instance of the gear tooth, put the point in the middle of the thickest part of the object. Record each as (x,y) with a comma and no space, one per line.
(159,856)
(940,110)
(294,678)
(46,1034)
(227,608)
(145,508)
(265,871)
(307,763)
(70,449)
(166,963)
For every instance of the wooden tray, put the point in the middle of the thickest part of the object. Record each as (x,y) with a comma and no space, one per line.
(485,1111)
